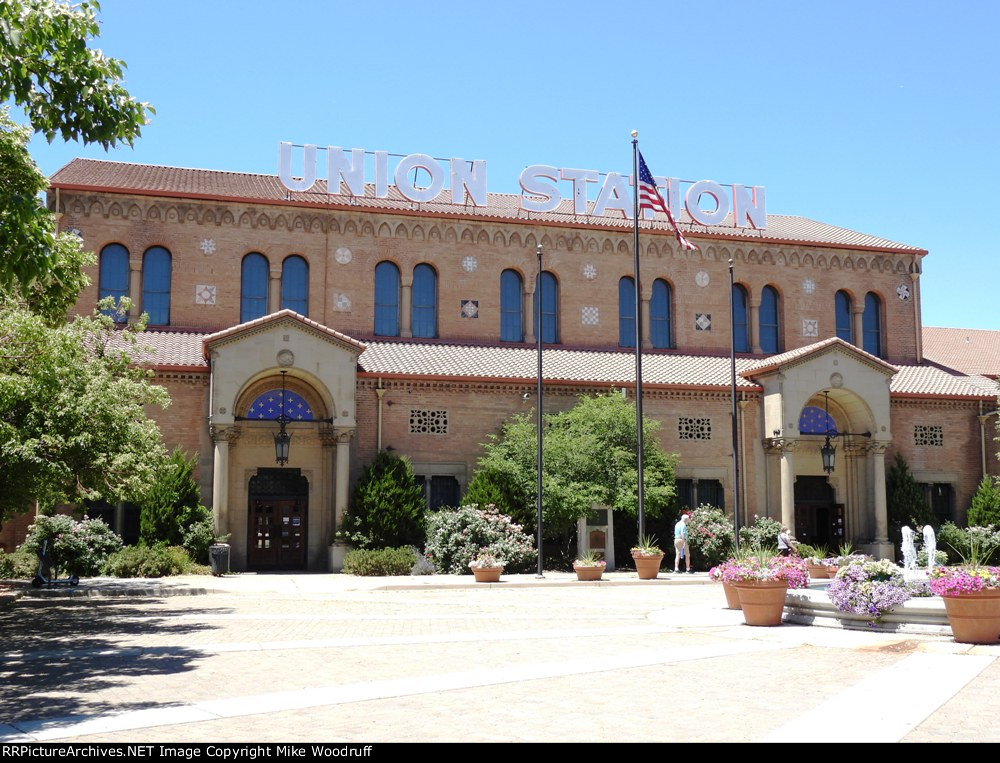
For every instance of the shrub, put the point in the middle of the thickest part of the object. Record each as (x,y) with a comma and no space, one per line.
(456,536)
(907,502)
(148,562)
(985,506)
(76,548)
(940,558)
(710,536)
(763,533)
(18,565)
(387,508)
(380,561)
(961,541)
(173,502)
(198,537)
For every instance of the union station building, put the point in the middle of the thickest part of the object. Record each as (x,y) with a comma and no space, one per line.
(384,323)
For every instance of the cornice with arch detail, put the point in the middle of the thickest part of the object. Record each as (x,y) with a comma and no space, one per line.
(918,403)
(504,234)
(198,379)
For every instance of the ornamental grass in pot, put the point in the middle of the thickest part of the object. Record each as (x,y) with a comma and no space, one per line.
(647,556)
(971,593)
(589,566)
(762,578)
(486,567)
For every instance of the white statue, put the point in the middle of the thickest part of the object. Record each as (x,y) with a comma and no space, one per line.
(909,550)
(930,546)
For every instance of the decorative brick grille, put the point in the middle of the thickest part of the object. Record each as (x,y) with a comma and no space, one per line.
(927,434)
(694,428)
(428,422)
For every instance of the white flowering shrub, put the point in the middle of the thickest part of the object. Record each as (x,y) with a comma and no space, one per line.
(456,536)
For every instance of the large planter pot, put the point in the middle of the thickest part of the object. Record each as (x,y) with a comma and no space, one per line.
(762,601)
(648,566)
(487,574)
(588,572)
(975,616)
(831,572)
(817,571)
(732,595)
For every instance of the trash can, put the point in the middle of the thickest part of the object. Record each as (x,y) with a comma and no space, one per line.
(218,557)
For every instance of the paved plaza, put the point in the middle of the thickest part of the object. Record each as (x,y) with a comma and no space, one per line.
(280,658)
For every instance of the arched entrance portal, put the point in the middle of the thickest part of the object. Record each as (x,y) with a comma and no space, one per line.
(819,519)
(278,520)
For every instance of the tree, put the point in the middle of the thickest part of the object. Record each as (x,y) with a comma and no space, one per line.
(589,458)
(985,506)
(173,502)
(906,500)
(65,88)
(388,506)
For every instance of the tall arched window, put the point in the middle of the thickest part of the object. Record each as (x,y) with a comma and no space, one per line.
(253,293)
(770,337)
(626,312)
(511,306)
(295,285)
(423,314)
(845,325)
(386,299)
(156,268)
(548,290)
(661,333)
(871,325)
(113,278)
(741,336)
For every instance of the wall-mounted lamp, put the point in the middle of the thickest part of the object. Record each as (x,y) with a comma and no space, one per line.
(282,440)
(828,451)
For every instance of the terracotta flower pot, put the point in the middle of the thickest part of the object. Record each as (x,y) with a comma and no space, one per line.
(817,571)
(648,566)
(762,601)
(831,572)
(732,596)
(975,616)
(487,574)
(585,572)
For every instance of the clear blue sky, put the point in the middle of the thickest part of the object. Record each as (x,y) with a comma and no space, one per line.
(880,116)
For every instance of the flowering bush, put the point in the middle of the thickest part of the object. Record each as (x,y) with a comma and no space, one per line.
(869,588)
(953,581)
(456,536)
(763,533)
(77,548)
(710,536)
(787,568)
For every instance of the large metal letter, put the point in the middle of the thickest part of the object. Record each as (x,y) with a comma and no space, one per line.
(614,194)
(531,183)
(748,206)
(285,167)
(472,179)
(353,172)
(381,174)
(714,190)
(580,179)
(408,187)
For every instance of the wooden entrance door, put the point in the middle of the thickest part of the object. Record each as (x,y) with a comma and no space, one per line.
(277,524)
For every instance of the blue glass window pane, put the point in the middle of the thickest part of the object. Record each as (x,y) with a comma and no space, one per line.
(871,325)
(386,299)
(268,406)
(113,277)
(741,337)
(769,338)
(626,312)
(511,306)
(845,329)
(295,285)
(660,333)
(815,420)
(253,296)
(548,289)
(156,269)
(423,316)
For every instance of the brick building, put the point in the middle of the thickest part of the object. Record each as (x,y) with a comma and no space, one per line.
(409,326)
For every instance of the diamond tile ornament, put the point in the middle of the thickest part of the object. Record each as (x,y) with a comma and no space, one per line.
(204,294)
(343,255)
(703,321)
(75,232)
(469,264)
(590,316)
(810,327)
(341,302)
(207,245)
(809,286)
(470,308)
(702,278)
(903,291)
(589,272)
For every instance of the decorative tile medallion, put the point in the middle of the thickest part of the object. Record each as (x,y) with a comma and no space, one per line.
(470,308)
(809,286)
(204,294)
(341,302)
(903,291)
(702,278)
(703,321)
(469,264)
(590,316)
(810,327)
(343,255)
(589,272)
(75,232)
(207,246)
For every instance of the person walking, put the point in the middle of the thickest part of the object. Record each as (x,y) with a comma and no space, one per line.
(784,542)
(681,549)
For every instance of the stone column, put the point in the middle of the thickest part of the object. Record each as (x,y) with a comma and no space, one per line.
(343,474)
(754,327)
(405,302)
(788,485)
(881,506)
(135,287)
(274,291)
(529,312)
(328,441)
(857,312)
(915,296)
(647,294)
(223,438)
(855,528)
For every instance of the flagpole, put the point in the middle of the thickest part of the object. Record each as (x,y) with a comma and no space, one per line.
(732,393)
(641,494)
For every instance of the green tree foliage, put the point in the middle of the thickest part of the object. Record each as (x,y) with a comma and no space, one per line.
(589,458)
(985,506)
(67,89)
(906,501)
(387,507)
(173,503)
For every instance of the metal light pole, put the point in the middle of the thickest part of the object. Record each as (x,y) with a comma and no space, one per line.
(736,426)
(538,406)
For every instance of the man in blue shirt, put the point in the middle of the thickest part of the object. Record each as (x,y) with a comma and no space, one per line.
(681,550)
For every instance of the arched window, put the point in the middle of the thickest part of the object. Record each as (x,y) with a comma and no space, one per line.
(253,294)
(845,326)
(386,299)
(741,336)
(156,267)
(871,325)
(661,333)
(295,285)
(548,289)
(423,314)
(770,338)
(113,277)
(273,403)
(511,307)
(626,312)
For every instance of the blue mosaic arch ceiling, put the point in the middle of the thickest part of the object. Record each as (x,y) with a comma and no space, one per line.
(268,406)
(815,420)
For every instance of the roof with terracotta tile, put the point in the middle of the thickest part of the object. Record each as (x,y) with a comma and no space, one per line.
(278,317)
(143,179)
(800,354)
(974,351)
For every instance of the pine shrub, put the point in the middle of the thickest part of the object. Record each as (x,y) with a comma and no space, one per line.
(387,508)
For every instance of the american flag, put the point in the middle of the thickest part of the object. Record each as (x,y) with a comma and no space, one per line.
(650,198)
